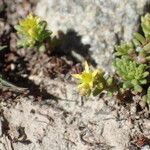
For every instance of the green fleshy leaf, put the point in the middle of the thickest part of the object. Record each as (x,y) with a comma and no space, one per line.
(139,37)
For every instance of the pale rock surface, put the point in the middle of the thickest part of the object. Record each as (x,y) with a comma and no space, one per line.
(99,22)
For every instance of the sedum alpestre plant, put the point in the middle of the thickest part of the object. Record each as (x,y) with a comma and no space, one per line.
(132,74)
(132,67)
(131,64)
(32,32)
(92,81)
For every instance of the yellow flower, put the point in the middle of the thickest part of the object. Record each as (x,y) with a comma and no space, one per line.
(32,30)
(30,25)
(87,79)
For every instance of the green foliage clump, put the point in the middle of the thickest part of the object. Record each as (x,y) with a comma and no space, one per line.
(145,23)
(132,68)
(124,48)
(138,40)
(133,75)
(142,42)
(2,47)
(32,32)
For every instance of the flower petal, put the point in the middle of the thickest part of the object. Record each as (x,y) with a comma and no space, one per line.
(87,69)
(95,72)
(78,76)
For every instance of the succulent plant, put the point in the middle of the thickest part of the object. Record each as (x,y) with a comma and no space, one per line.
(91,81)
(125,48)
(133,75)
(145,23)
(32,31)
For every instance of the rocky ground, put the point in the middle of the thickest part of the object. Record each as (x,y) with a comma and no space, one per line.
(51,115)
